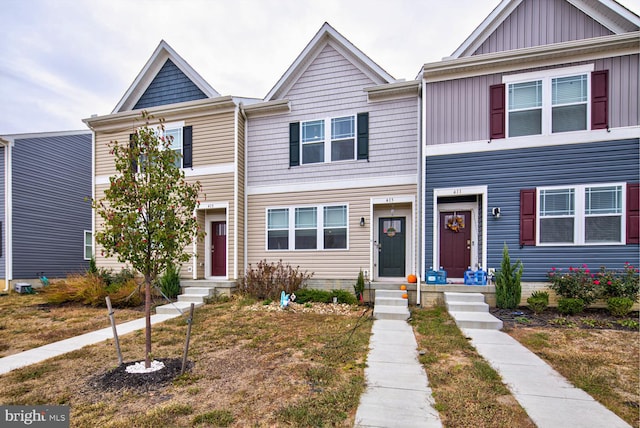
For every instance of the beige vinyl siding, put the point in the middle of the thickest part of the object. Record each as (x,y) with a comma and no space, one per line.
(325,264)
(105,165)
(213,139)
(331,87)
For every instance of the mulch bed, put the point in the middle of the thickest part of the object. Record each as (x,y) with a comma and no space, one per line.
(592,318)
(118,378)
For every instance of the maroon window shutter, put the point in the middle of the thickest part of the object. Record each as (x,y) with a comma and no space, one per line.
(497,111)
(633,213)
(600,99)
(528,217)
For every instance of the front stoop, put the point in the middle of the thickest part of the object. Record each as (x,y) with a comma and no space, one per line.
(195,295)
(390,305)
(470,311)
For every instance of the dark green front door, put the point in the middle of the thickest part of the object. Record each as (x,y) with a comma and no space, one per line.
(392,246)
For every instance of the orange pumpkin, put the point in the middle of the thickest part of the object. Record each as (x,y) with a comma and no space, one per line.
(412,278)
(405,296)
(403,287)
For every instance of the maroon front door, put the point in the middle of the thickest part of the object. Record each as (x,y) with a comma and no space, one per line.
(218,248)
(455,242)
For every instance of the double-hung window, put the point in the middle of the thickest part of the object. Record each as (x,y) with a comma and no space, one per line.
(328,140)
(581,215)
(321,227)
(88,245)
(174,136)
(548,101)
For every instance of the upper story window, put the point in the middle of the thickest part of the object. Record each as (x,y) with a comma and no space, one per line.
(340,145)
(581,215)
(174,135)
(322,227)
(329,140)
(547,102)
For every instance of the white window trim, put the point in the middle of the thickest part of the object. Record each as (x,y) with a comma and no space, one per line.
(580,215)
(546,76)
(87,244)
(292,227)
(327,139)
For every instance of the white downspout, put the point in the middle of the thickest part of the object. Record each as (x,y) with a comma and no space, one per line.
(422,186)
(8,208)
(245,253)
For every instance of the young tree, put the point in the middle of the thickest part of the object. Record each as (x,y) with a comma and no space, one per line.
(148,209)
(508,287)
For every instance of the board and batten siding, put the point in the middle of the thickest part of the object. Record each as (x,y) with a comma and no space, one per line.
(542,22)
(333,87)
(506,172)
(51,182)
(325,264)
(458,110)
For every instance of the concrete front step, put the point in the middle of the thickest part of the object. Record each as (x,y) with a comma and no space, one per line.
(198,290)
(385,312)
(177,307)
(478,320)
(463,297)
(196,298)
(389,294)
(467,307)
(392,301)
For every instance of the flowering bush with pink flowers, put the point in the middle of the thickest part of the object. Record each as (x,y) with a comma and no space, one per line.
(581,283)
(577,283)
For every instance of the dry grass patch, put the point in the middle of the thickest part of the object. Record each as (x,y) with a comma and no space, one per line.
(467,391)
(604,363)
(250,368)
(28,321)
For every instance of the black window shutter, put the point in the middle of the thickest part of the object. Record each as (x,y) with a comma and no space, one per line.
(363,135)
(294,144)
(497,111)
(633,213)
(528,217)
(187,147)
(600,99)
(132,158)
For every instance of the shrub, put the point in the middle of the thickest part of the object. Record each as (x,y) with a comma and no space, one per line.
(358,288)
(619,306)
(508,287)
(170,282)
(538,301)
(91,289)
(268,280)
(578,283)
(625,283)
(570,306)
(306,295)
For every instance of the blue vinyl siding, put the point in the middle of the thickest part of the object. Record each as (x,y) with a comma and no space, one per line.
(169,86)
(51,179)
(507,172)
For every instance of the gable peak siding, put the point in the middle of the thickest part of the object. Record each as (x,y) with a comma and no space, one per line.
(169,86)
(542,22)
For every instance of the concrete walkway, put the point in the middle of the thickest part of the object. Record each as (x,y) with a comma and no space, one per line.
(42,353)
(398,393)
(547,397)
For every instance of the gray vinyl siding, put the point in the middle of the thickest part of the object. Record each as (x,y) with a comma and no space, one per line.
(458,110)
(3,229)
(513,170)
(51,179)
(332,87)
(542,22)
(169,86)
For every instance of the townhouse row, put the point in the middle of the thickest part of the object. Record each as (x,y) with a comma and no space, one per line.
(528,135)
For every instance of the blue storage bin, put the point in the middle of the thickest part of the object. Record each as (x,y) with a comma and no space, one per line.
(432,277)
(469,277)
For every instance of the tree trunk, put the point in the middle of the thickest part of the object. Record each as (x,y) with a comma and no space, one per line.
(147,316)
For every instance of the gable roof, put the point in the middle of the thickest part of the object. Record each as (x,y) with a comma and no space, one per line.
(328,35)
(150,70)
(608,13)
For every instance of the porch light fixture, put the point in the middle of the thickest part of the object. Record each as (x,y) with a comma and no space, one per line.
(361,221)
(496,212)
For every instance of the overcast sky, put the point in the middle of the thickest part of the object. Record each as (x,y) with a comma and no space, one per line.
(63,60)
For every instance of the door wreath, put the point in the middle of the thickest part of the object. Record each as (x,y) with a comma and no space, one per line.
(455,223)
